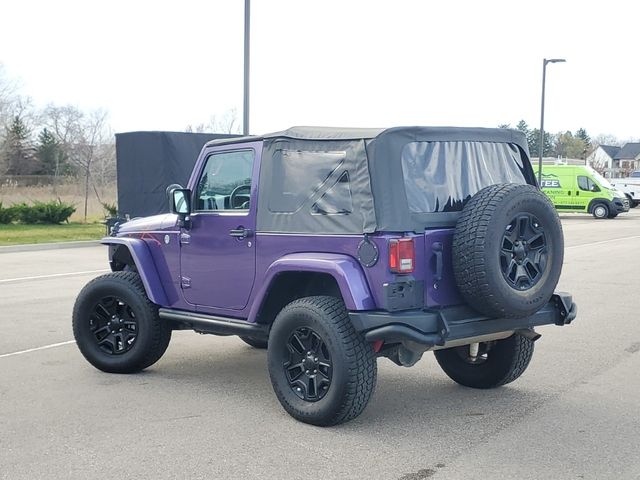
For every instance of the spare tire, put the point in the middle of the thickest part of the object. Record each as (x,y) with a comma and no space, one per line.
(508,250)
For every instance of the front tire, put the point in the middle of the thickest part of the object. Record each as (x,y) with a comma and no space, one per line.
(498,362)
(322,371)
(600,211)
(116,326)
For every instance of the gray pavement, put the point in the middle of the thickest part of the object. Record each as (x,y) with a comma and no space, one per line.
(206,409)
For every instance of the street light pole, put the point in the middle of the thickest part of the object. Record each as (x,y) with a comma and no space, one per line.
(247,44)
(541,141)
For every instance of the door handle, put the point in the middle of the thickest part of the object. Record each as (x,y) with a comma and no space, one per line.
(241,232)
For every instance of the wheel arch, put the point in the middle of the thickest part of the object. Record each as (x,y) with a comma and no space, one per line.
(133,252)
(300,275)
(596,201)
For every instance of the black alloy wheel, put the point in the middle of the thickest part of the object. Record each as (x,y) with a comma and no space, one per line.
(508,250)
(113,325)
(523,254)
(322,371)
(116,326)
(308,367)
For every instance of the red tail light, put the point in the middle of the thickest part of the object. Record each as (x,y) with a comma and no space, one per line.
(402,255)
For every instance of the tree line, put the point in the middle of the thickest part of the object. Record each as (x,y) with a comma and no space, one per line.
(56,141)
(567,144)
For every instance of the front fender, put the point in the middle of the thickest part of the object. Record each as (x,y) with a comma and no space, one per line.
(145,265)
(344,269)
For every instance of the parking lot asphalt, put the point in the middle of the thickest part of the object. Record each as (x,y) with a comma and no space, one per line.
(206,410)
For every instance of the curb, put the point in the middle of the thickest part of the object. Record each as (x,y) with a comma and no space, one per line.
(32,247)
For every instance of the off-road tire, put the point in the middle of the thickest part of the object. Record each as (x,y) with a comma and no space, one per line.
(255,342)
(505,362)
(153,334)
(600,211)
(478,240)
(354,366)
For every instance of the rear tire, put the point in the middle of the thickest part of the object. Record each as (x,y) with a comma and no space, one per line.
(116,326)
(600,211)
(498,363)
(255,342)
(322,370)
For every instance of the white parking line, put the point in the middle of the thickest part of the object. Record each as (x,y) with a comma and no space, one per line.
(53,275)
(53,345)
(603,241)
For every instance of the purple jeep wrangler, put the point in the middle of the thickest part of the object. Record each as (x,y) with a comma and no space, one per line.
(332,247)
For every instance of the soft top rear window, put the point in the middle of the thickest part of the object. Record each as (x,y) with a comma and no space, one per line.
(443,176)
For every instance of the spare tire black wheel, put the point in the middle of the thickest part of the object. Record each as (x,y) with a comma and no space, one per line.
(508,250)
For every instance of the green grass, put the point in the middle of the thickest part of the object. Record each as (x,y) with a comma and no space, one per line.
(17,234)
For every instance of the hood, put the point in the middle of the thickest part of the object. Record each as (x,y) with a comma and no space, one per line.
(617,193)
(147,224)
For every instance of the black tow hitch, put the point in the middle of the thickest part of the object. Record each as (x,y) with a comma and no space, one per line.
(567,309)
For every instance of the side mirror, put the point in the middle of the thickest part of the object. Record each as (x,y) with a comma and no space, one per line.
(594,188)
(180,204)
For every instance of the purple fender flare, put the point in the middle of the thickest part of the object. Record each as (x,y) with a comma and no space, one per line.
(145,265)
(343,268)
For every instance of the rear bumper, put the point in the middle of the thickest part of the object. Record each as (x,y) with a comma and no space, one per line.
(437,327)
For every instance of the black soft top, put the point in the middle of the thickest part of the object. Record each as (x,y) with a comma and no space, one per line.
(355,180)
(348,133)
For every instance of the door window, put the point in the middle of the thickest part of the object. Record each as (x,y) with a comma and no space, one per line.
(225,182)
(586,184)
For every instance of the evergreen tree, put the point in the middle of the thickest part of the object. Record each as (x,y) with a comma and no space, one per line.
(523,127)
(533,139)
(51,155)
(582,134)
(17,150)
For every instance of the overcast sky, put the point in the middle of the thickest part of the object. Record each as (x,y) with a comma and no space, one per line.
(161,65)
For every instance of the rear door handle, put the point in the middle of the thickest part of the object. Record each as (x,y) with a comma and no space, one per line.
(241,232)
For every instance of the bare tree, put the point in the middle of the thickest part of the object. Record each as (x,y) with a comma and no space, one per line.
(226,123)
(8,96)
(92,136)
(85,139)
